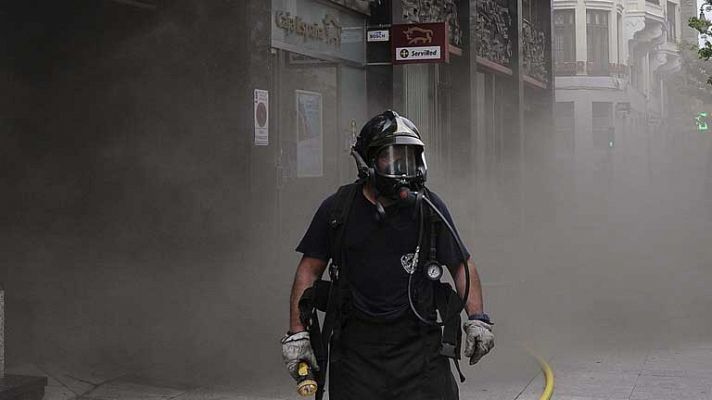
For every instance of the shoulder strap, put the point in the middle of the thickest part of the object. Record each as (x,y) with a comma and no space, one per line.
(337,220)
(431,227)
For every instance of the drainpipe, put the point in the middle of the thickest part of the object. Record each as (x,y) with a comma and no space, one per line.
(2,333)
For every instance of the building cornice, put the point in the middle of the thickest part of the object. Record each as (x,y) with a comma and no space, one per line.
(565,5)
(599,5)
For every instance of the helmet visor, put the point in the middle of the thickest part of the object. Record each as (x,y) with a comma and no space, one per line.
(397,161)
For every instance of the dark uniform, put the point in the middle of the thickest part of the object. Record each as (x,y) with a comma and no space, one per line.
(382,350)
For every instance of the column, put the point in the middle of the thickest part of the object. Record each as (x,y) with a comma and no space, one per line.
(581,43)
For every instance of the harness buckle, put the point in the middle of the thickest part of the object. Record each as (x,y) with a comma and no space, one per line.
(448,350)
(334,272)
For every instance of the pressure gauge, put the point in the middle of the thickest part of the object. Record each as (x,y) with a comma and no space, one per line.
(434,271)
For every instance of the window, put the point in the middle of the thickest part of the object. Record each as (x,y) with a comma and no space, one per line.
(636,71)
(564,128)
(602,124)
(671,27)
(597,41)
(565,42)
(619,42)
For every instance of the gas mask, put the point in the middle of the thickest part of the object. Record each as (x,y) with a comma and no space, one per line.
(398,167)
(389,154)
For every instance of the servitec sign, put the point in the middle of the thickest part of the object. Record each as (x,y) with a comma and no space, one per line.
(419,43)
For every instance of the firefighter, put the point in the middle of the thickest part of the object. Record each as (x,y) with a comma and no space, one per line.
(383,239)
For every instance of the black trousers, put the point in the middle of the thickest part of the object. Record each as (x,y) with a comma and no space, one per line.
(389,360)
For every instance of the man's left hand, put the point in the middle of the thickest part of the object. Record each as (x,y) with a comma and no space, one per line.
(479,339)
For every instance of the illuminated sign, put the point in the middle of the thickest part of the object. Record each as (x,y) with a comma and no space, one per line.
(701,120)
(418,53)
(419,43)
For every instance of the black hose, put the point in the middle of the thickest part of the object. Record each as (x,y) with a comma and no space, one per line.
(461,249)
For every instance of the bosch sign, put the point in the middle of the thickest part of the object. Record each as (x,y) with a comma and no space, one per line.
(382,35)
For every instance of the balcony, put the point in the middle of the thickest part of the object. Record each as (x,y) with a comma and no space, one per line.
(565,68)
(645,29)
(666,59)
(581,68)
(597,69)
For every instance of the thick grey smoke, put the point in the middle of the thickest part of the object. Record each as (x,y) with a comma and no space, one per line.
(128,240)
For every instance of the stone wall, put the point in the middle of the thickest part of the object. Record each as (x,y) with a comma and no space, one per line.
(416,11)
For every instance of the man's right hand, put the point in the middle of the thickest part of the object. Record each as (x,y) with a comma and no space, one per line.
(297,348)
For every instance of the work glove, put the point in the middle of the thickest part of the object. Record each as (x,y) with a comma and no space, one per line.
(297,348)
(479,339)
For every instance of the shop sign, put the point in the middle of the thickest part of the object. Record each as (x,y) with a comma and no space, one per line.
(261,117)
(381,35)
(419,43)
(319,30)
(328,30)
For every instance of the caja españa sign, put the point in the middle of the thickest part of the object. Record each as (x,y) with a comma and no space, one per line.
(419,43)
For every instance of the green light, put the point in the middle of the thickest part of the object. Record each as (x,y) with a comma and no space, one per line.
(701,121)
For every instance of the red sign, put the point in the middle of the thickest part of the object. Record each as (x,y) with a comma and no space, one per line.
(419,43)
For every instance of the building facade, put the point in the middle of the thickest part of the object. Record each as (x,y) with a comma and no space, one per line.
(317,98)
(611,62)
(480,111)
(324,80)
(167,156)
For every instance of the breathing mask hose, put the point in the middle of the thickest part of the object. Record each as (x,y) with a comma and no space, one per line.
(461,249)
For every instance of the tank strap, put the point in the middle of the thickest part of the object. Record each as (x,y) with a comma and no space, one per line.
(447,302)
(338,293)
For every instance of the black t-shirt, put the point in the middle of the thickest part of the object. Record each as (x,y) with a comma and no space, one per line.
(377,252)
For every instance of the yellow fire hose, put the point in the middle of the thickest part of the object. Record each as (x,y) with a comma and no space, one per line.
(548,377)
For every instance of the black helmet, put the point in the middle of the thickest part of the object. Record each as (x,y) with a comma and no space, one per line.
(389,153)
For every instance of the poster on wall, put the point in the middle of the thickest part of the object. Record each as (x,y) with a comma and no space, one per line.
(309,134)
(261,117)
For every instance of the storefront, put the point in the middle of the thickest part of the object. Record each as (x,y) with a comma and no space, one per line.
(319,101)
(429,91)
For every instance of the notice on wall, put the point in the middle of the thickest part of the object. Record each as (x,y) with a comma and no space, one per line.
(310,135)
(261,117)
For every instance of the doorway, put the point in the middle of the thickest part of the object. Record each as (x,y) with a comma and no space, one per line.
(307,122)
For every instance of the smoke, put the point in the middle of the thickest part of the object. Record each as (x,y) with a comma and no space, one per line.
(610,246)
(129,241)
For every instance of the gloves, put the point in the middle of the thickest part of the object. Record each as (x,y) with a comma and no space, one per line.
(479,339)
(297,348)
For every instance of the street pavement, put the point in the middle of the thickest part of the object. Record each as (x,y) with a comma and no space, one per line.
(679,372)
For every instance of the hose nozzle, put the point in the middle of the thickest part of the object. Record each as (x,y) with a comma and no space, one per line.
(306,386)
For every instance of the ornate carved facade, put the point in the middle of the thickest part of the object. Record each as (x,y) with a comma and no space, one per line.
(493,22)
(534,49)
(417,11)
